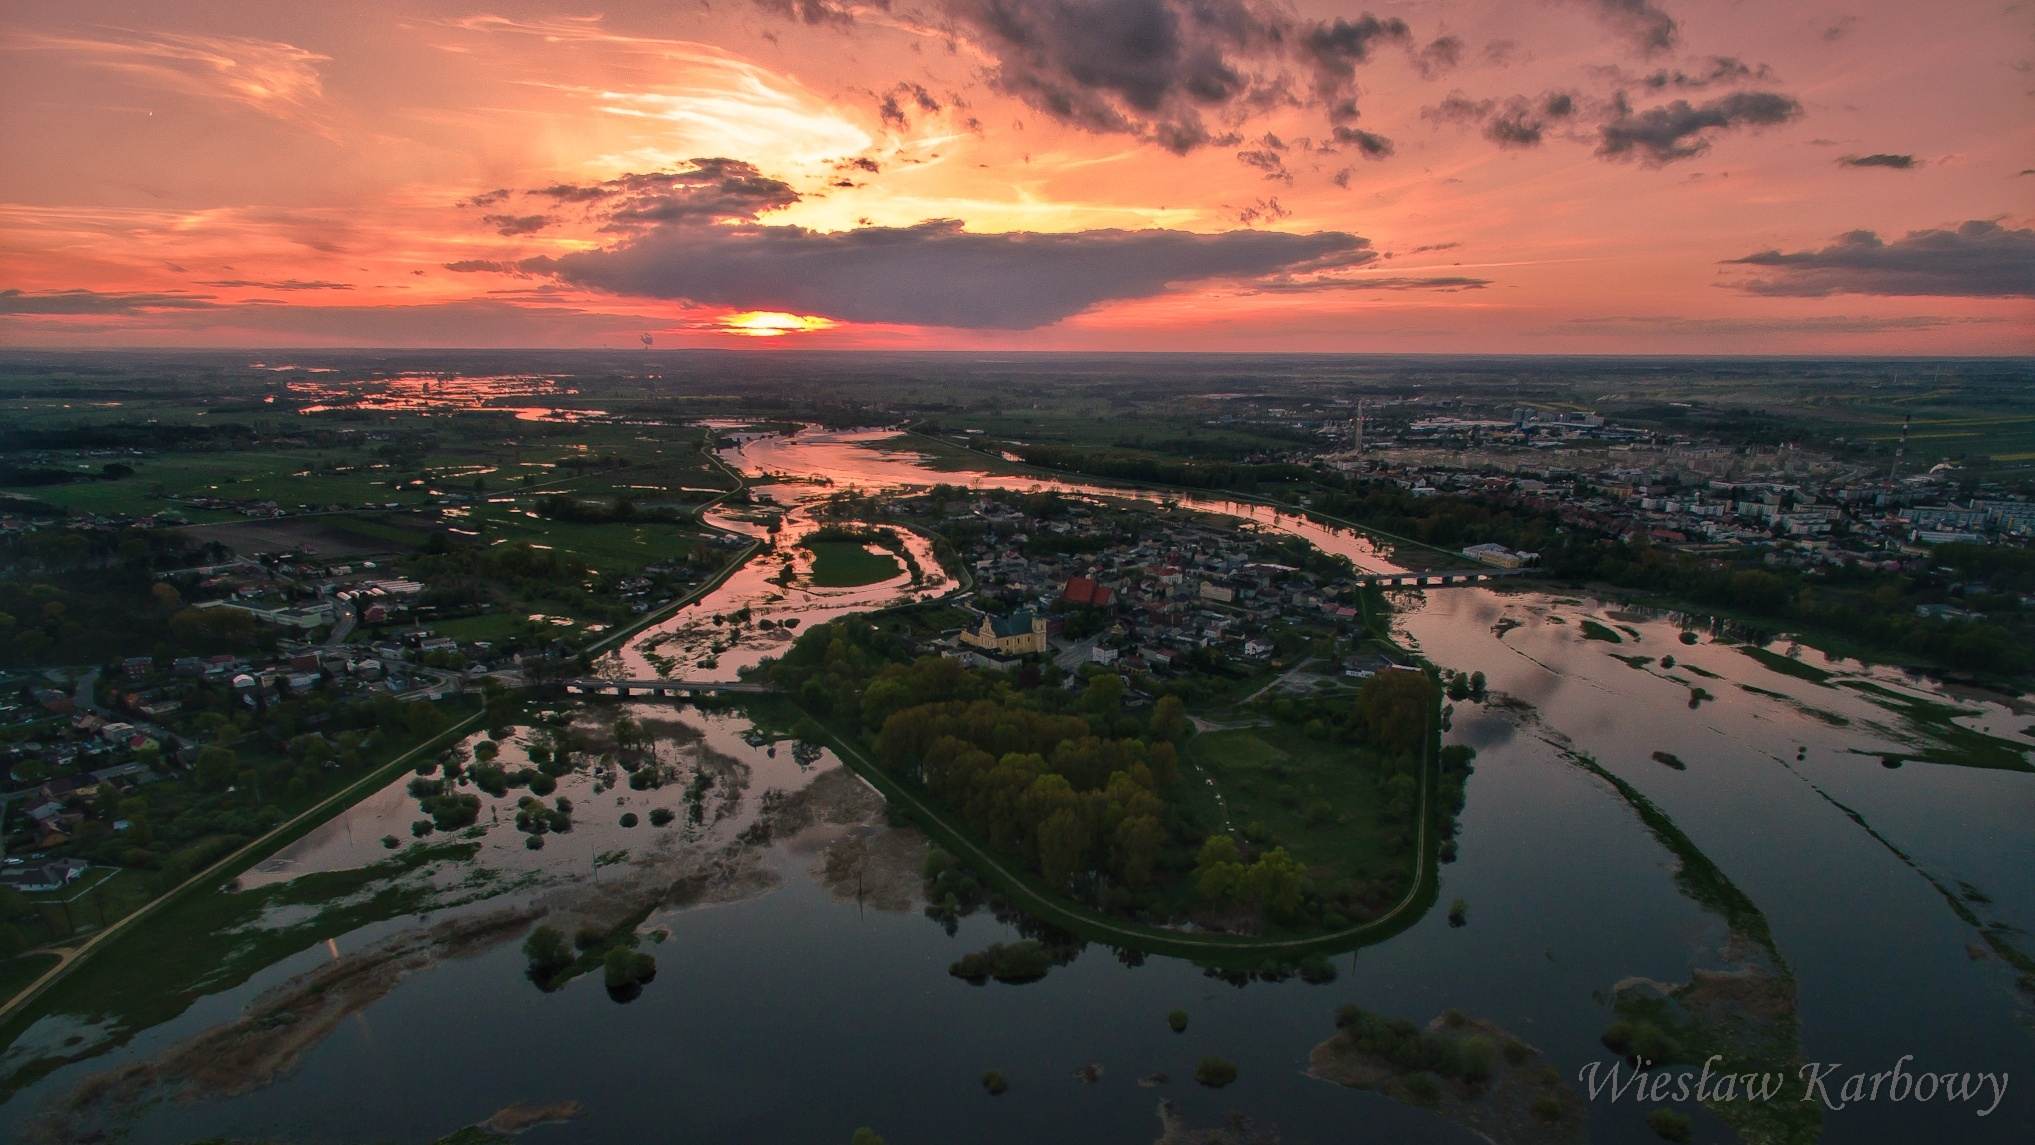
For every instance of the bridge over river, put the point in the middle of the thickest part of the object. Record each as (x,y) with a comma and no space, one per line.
(1446,578)
(663,689)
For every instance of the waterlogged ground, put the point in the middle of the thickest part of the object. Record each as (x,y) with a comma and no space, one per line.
(800,992)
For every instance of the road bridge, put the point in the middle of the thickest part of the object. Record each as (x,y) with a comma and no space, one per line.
(663,689)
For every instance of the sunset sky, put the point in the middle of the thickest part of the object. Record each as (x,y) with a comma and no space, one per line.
(1533,176)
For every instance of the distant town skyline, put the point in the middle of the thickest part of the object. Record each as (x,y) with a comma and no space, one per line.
(1556,176)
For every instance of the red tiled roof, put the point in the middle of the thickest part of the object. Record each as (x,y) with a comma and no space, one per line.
(1084,590)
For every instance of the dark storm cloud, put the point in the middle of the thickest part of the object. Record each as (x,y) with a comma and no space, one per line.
(1368,144)
(1333,49)
(815,11)
(1439,57)
(706,190)
(1267,160)
(277,284)
(1458,108)
(1979,259)
(1643,22)
(892,107)
(1881,159)
(1183,74)
(1678,130)
(937,273)
(1517,122)
(1155,69)
(517,224)
(1723,70)
(97,302)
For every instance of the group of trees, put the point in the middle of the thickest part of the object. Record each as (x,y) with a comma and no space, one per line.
(1043,786)
(1273,883)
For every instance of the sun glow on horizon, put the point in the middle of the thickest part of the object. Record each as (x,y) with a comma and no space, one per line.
(774,324)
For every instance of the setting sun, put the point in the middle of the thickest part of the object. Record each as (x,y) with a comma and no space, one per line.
(773,323)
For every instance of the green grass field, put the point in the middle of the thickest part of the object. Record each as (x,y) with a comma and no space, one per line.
(1318,800)
(846,564)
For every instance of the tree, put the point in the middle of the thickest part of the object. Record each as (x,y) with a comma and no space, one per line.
(1138,839)
(548,951)
(1218,869)
(1393,708)
(1215,1073)
(1275,883)
(1104,694)
(1169,719)
(866,1136)
(215,767)
(1063,846)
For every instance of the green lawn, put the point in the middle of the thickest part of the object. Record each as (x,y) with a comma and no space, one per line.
(1321,801)
(16,973)
(846,564)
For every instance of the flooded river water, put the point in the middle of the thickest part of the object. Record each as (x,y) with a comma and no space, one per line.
(786,1010)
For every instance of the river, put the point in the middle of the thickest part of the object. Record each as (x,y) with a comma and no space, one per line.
(792,1014)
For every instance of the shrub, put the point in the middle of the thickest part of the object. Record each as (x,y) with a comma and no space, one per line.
(626,970)
(1669,1124)
(391,842)
(1177,1021)
(628,818)
(533,843)
(662,816)
(1547,1107)
(994,1083)
(1215,1072)
(1423,1089)
(547,951)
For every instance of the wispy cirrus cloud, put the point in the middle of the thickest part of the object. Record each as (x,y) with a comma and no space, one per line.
(56,302)
(281,284)
(276,79)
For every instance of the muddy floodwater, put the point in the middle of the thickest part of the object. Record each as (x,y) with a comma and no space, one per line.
(800,991)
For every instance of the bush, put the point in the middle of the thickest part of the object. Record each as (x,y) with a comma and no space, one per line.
(1177,1021)
(994,1083)
(627,970)
(542,784)
(547,951)
(533,843)
(1014,962)
(1641,1041)
(1215,1072)
(661,817)
(391,842)
(1547,1107)
(1423,1089)
(1670,1125)
(628,818)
